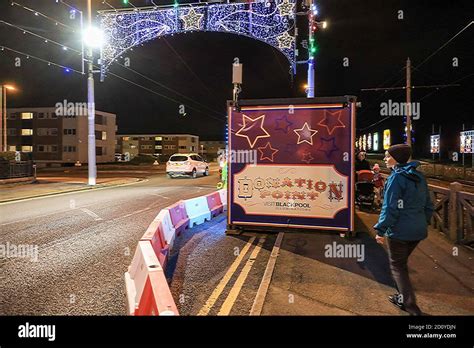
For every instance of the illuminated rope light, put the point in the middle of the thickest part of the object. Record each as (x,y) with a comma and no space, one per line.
(269,22)
(192,20)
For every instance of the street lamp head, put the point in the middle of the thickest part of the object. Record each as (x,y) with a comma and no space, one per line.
(9,87)
(93,37)
(324,24)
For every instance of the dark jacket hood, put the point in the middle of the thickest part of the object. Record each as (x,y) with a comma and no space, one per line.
(409,171)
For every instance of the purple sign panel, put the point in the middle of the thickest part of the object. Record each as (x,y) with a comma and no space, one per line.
(291,165)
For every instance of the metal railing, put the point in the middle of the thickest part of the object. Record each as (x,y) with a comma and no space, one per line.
(453,212)
(11,170)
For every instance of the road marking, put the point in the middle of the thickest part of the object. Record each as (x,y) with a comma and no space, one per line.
(235,291)
(222,284)
(267,277)
(158,195)
(136,212)
(70,192)
(91,213)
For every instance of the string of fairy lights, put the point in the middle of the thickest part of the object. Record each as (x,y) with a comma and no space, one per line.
(46,40)
(40,14)
(68,69)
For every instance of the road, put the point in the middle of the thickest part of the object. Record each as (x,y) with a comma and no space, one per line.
(86,241)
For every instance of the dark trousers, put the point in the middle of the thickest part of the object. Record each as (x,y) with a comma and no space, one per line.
(398,253)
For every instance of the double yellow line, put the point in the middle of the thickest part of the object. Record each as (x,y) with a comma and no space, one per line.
(234,292)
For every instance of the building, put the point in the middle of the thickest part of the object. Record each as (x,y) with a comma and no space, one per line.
(53,139)
(160,145)
(210,149)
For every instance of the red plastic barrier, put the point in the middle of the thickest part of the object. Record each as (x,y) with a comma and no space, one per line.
(154,234)
(155,298)
(146,286)
(179,217)
(214,203)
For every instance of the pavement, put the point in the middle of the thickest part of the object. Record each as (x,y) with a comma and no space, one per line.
(53,181)
(306,281)
(316,284)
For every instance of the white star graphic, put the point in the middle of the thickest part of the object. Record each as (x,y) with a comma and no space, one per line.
(305,134)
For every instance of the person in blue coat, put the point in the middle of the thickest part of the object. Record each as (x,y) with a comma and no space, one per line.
(403,221)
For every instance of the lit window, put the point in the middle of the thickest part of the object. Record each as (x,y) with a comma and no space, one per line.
(126,138)
(158,138)
(12,148)
(27,132)
(104,135)
(27,148)
(26,115)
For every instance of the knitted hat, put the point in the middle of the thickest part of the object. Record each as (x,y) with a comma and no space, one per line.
(400,152)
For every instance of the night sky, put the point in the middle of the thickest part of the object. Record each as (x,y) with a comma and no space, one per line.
(199,66)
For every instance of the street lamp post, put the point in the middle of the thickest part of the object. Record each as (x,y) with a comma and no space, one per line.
(91,153)
(3,113)
(92,38)
(313,24)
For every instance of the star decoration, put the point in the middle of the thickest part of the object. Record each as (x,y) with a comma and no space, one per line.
(285,40)
(307,157)
(286,8)
(192,20)
(267,152)
(254,126)
(283,124)
(328,146)
(331,120)
(305,134)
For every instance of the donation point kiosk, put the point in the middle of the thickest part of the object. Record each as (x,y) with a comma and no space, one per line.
(291,164)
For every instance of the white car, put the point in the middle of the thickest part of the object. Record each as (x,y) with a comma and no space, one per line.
(186,164)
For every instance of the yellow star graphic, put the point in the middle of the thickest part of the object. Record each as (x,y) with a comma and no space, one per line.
(306,133)
(286,8)
(267,155)
(285,40)
(192,20)
(249,126)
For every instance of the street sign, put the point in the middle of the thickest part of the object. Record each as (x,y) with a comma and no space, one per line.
(466,138)
(434,141)
(291,164)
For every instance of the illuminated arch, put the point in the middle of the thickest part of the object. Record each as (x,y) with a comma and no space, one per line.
(272,22)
